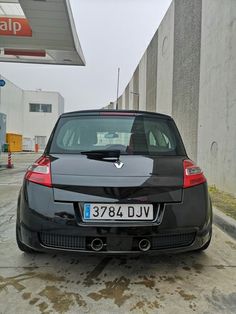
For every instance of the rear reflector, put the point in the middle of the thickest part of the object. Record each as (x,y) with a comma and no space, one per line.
(40,172)
(193,175)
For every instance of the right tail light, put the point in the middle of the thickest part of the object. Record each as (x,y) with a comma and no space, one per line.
(193,174)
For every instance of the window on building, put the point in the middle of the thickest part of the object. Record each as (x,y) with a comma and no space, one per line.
(40,107)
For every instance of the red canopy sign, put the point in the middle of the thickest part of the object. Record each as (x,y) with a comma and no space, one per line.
(11,26)
(25,52)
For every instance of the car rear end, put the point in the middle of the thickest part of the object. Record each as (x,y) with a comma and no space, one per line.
(114,182)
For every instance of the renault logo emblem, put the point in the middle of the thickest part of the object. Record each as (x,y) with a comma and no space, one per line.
(118,164)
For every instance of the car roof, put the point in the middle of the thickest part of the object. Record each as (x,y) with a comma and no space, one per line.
(116,112)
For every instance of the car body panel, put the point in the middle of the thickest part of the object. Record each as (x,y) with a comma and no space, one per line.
(77,178)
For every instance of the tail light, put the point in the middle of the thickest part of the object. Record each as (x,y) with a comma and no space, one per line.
(40,172)
(193,174)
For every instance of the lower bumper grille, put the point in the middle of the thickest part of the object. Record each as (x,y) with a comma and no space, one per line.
(172,240)
(74,242)
(62,241)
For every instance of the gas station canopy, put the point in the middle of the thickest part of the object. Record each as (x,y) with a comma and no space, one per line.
(39,31)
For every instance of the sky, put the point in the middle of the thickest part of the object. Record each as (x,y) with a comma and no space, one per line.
(112,33)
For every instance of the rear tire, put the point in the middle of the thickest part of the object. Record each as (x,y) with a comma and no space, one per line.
(21,245)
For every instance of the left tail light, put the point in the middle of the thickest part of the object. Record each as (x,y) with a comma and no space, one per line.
(40,172)
(193,174)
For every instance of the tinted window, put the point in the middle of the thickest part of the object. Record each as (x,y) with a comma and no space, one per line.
(40,107)
(34,107)
(130,134)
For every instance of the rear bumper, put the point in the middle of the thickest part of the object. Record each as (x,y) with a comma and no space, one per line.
(62,240)
(47,226)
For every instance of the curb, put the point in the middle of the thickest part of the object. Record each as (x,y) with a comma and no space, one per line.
(224,222)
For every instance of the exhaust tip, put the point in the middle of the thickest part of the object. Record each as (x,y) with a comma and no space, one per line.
(144,245)
(97,244)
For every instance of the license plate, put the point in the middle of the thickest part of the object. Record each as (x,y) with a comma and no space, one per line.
(118,211)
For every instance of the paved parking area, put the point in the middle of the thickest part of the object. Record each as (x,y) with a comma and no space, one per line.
(70,283)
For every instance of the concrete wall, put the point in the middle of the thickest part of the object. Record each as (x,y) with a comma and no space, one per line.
(143,82)
(189,71)
(120,102)
(217,103)
(186,71)
(151,94)
(127,97)
(165,63)
(123,101)
(136,89)
(131,95)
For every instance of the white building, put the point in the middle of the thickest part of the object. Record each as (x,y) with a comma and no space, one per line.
(31,114)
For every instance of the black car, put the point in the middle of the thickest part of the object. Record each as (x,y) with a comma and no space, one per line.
(114,182)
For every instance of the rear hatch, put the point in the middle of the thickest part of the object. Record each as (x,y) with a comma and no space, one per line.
(154,179)
(148,145)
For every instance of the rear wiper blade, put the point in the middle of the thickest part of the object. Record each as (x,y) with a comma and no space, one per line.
(108,155)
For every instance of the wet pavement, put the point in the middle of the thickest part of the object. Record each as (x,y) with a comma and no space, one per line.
(70,283)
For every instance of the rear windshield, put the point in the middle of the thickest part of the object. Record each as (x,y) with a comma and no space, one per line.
(132,135)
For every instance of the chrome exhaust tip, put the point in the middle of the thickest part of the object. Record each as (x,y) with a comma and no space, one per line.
(97,244)
(144,245)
